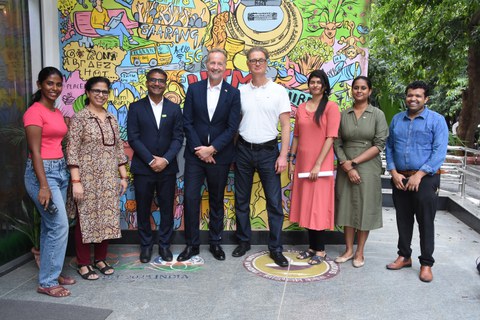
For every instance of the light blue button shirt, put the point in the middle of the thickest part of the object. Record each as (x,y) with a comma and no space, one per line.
(417,144)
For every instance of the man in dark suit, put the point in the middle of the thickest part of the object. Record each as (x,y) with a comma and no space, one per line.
(211,116)
(154,127)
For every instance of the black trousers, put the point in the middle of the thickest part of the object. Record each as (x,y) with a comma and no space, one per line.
(164,185)
(316,239)
(263,161)
(422,205)
(194,178)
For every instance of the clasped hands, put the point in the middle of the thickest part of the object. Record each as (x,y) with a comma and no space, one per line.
(205,153)
(412,182)
(158,164)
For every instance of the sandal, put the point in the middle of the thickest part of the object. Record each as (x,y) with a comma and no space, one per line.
(316,259)
(65,280)
(88,275)
(305,254)
(55,291)
(106,269)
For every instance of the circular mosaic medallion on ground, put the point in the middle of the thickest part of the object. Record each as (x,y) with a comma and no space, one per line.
(298,271)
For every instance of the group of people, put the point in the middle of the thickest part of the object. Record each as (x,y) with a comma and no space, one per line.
(95,161)
(223,124)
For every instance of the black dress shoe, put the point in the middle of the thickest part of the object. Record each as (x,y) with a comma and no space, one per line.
(187,253)
(217,252)
(279,258)
(165,253)
(241,249)
(145,254)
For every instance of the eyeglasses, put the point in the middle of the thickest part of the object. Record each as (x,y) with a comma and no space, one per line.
(98,92)
(257,61)
(158,81)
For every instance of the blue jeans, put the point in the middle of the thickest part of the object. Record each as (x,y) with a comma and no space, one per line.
(262,160)
(54,227)
(118,31)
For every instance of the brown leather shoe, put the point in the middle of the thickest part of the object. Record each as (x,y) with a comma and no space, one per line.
(426,273)
(400,263)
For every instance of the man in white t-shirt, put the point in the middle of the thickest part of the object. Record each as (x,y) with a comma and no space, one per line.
(264,104)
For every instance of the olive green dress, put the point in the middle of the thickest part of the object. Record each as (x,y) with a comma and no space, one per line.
(360,206)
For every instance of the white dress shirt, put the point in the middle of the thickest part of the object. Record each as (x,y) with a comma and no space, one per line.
(213,94)
(157,111)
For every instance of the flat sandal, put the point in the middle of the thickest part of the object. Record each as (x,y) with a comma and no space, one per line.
(305,254)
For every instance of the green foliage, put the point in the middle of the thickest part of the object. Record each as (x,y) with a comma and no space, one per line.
(310,53)
(454,140)
(27,223)
(423,40)
(322,11)
(13,135)
(79,103)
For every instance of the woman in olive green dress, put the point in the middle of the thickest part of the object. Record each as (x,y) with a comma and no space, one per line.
(358,191)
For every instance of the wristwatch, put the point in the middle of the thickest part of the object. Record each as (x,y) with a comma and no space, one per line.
(354,164)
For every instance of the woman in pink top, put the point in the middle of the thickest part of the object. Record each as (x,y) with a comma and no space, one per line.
(316,127)
(46,179)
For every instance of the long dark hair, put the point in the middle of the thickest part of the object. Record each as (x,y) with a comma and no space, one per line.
(42,76)
(91,82)
(323,102)
(367,80)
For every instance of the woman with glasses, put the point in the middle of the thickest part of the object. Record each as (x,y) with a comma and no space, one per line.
(46,179)
(97,166)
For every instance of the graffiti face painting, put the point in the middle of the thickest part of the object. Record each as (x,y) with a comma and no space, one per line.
(123,39)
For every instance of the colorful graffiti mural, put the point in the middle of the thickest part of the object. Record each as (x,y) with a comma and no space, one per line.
(122,39)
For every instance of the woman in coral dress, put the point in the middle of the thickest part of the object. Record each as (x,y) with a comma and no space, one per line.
(316,127)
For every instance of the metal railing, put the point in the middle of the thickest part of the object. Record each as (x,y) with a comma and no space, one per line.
(467,169)
(461,164)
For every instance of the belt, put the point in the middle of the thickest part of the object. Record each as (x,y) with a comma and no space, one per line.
(270,145)
(409,173)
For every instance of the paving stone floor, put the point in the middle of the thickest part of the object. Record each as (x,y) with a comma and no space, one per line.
(226,290)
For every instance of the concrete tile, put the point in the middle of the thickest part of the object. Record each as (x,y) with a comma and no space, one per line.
(226,290)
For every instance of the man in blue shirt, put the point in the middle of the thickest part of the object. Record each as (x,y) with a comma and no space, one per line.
(416,148)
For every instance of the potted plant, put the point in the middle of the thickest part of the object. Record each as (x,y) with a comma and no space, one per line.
(28,223)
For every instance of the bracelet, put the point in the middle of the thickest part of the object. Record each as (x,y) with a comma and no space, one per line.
(291,155)
(124,178)
(76,181)
(44,187)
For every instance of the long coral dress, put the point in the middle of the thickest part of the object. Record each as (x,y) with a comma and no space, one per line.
(96,149)
(312,204)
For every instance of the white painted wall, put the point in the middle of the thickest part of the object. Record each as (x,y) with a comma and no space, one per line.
(44,44)
(51,45)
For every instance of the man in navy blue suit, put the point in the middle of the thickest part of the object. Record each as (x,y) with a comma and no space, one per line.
(154,127)
(211,115)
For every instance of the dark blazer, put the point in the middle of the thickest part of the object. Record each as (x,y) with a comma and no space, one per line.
(222,128)
(147,140)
